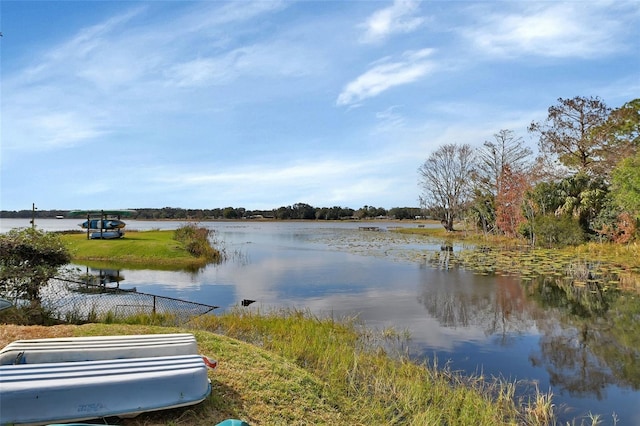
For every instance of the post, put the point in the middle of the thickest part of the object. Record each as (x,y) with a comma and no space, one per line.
(102,216)
(33,215)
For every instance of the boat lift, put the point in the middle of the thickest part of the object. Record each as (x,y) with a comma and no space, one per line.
(103,217)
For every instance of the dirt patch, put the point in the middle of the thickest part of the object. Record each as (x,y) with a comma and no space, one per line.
(10,332)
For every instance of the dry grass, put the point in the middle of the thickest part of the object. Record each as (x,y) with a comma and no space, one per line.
(10,332)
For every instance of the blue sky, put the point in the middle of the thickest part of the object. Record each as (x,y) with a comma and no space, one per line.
(262,104)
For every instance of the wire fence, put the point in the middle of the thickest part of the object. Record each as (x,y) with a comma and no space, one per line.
(85,301)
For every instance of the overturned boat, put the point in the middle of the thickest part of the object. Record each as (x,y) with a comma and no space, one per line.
(43,381)
(72,349)
(33,394)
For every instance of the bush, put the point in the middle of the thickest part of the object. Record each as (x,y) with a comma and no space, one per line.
(28,259)
(196,240)
(556,231)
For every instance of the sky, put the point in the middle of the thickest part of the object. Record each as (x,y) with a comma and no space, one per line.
(262,104)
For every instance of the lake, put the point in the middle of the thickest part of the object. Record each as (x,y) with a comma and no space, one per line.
(493,325)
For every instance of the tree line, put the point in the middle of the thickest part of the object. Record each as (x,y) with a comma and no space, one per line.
(583,184)
(292,212)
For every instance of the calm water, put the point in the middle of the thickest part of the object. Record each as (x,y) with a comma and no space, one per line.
(481,324)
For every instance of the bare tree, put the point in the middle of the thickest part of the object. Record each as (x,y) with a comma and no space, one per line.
(445,179)
(498,161)
(506,151)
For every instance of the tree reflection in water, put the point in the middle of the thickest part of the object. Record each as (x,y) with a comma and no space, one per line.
(496,304)
(589,332)
(591,340)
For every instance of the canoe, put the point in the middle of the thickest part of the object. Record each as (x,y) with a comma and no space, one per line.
(65,349)
(36,394)
(103,224)
(107,235)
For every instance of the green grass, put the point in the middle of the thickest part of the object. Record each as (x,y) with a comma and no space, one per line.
(148,249)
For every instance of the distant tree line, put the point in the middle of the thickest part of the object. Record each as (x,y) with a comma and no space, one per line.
(292,212)
(584,184)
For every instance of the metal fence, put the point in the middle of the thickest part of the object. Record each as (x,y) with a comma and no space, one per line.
(79,301)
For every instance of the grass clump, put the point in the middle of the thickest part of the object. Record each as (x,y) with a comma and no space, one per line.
(196,240)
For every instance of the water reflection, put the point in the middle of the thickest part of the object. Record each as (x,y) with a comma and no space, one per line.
(598,343)
(495,305)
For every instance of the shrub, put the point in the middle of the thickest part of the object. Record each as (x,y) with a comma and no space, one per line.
(557,231)
(196,240)
(28,259)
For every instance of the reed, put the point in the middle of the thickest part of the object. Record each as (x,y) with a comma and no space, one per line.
(368,376)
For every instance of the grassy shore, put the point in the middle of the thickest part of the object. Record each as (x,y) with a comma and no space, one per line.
(146,249)
(627,255)
(290,368)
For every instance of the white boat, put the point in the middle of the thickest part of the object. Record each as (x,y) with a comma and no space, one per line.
(107,235)
(65,349)
(38,394)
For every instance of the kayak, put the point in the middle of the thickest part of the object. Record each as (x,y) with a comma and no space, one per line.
(103,224)
(107,235)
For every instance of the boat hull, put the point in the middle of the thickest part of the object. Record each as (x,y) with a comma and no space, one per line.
(72,349)
(36,394)
(107,235)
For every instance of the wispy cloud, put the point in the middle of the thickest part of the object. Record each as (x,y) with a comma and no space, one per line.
(129,66)
(385,75)
(388,120)
(279,59)
(328,180)
(566,29)
(400,17)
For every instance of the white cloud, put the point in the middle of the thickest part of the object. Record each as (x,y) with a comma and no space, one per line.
(319,182)
(116,72)
(389,120)
(567,29)
(400,17)
(201,72)
(279,59)
(385,75)
(267,175)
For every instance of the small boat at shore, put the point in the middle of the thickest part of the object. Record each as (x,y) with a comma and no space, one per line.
(71,379)
(73,349)
(40,394)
